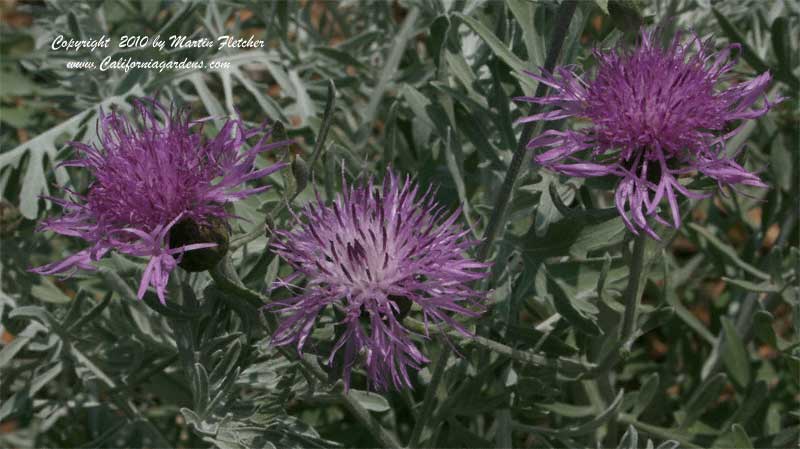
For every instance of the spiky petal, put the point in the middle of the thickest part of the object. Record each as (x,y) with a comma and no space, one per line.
(369,255)
(149,171)
(656,115)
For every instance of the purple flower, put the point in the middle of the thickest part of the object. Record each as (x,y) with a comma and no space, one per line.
(151,172)
(655,115)
(371,255)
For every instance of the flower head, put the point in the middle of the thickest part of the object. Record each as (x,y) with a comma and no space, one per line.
(370,255)
(655,115)
(153,174)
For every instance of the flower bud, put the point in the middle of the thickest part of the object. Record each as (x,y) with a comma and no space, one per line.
(300,173)
(189,231)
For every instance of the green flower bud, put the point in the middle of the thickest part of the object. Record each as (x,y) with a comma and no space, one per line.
(300,173)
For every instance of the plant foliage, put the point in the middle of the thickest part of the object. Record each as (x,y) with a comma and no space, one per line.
(425,87)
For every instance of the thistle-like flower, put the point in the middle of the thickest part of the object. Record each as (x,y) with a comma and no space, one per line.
(371,255)
(655,115)
(158,191)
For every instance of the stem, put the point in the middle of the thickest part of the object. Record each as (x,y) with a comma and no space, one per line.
(427,403)
(632,291)
(744,323)
(125,405)
(561,364)
(563,18)
(399,43)
(154,369)
(327,119)
(567,365)
(379,433)
(386,439)
(660,432)
(255,299)
(605,386)
(228,282)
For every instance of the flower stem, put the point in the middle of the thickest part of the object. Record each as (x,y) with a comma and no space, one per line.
(226,280)
(568,366)
(563,18)
(327,119)
(631,295)
(430,394)
(384,437)
(660,432)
